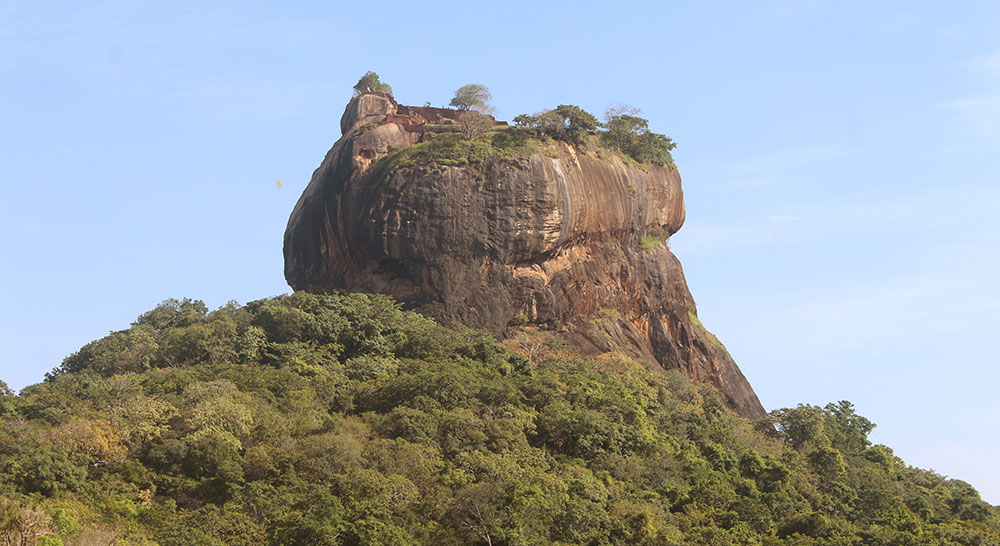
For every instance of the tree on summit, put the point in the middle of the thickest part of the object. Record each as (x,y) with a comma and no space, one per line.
(622,123)
(628,133)
(473,102)
(370,83)
(473,97)
(473,123)
(578,122)
(566,121)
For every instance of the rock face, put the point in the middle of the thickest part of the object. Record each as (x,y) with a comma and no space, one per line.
(554,237)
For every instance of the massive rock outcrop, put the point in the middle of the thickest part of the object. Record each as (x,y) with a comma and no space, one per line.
(552,236)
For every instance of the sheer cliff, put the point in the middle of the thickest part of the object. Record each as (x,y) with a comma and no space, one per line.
(551,232)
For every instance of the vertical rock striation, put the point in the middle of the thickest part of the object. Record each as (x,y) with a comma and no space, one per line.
(554,237)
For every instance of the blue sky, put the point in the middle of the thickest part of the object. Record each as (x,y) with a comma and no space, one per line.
(839,162)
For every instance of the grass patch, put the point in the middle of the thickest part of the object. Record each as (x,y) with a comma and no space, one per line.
(609,313)
(519,320)
(550,149)
(603,318)
(711,337)
(451,150)
(656,236)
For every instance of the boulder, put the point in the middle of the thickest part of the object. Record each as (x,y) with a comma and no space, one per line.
(556,237)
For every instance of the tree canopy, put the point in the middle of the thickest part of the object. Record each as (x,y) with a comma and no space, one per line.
(370,83)
(629,134)
(624,131)
(473,97)
(565,121)
(333,419)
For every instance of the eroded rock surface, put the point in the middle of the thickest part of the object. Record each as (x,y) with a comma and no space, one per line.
(554,237)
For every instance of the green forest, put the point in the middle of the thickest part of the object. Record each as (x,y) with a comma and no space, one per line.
(344,420)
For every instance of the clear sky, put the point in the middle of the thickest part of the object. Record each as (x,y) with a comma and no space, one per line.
(840,164)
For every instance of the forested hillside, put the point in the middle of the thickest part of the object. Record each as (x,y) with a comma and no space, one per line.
(343,420)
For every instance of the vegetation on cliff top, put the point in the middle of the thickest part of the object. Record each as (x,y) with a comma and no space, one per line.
(452,150)
(474,143)
(472,97)
(343,420)
(370,83)
(622,132)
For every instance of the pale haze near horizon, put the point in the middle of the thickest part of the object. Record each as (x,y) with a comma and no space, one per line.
(839,163)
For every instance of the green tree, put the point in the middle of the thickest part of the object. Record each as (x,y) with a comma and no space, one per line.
(7,399)
(370,83)
(966,503)
(544,123)
(622,122)
(578,123)
(810,524)
(48,470)
(142,418)
(131,350)
(653,148)
(802,427)
(478,512)
(565,122)
(828,462)
(174,313)
(847,430)
(628,133)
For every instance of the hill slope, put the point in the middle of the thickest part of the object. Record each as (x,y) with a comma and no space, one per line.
(342,420)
